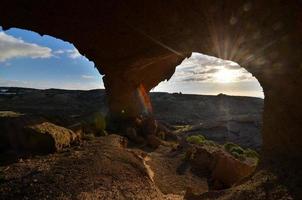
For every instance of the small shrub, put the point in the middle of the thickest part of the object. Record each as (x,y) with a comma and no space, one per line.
(238,150)
(251,153)
(231,147)
(211,143)
(238,156)
(196,139)
(240,153)
(95,124)
(99,122)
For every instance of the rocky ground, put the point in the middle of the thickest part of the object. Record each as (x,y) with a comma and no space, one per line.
(52,148)
(97,169)
(220,118)
(105,168)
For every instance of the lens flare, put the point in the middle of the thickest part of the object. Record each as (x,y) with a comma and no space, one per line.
(144,99)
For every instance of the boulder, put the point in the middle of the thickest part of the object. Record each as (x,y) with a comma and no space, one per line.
(116,141)
(220,166)
(228,170)
(47,137)
(201,160)
(31,134)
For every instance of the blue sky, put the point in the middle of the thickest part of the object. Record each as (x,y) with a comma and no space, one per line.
(30,60)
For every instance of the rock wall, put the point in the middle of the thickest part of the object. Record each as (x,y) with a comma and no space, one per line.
(141,42)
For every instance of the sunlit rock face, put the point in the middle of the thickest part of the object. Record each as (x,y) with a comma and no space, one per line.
(140,42)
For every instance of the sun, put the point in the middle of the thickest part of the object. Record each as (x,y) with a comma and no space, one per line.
(225,76)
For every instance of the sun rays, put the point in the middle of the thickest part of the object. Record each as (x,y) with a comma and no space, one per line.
(203,74)
(226,76)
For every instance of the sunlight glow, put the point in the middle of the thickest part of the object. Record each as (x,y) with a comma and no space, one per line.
(226,76)
(208,75)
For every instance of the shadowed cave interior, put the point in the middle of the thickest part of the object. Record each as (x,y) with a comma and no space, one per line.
(136,45)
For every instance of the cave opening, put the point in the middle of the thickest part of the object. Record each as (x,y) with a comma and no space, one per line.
(46,80)
(266,33)
(30,60)
(214,98)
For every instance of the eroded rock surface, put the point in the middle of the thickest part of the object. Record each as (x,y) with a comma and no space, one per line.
(221,168)
(229,170)
(23,134)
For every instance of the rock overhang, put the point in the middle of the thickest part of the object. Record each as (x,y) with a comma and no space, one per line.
(135,43)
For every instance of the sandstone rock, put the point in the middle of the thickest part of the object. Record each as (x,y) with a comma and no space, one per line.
(47,137)
(116,141)
(202,160)
(222,168)
(229,170)
(32,134)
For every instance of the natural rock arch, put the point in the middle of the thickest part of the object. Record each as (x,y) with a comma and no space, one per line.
(141,42)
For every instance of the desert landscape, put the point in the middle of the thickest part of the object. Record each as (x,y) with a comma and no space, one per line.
(220,118)
(53,138)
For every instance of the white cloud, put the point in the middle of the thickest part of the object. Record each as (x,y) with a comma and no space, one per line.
(73,53)
(203,68)
(11,47)
(87,77)
(60,51)
(201,74)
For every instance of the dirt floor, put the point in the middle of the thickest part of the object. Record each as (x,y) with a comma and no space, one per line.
(97,169)
(104,168)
